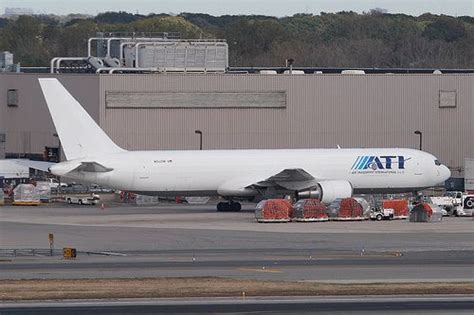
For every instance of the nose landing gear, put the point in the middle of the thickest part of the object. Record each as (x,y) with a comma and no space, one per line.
(229,206)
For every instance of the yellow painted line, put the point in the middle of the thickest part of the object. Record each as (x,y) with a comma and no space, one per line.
(260,270)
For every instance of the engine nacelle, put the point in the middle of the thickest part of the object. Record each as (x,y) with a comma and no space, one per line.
(328,191)
(310,194)
(333,189)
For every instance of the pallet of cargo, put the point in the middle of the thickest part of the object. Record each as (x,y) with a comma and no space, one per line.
(348,219)
(26,203)
(273,220)
(399,206)
(310,219)
(273,211)
(346,209)
(309,210)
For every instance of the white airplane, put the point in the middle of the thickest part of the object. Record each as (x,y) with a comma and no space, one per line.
(235,175)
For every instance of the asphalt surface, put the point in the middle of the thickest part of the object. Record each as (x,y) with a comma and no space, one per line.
(276,305)
(187,241)
(288,265)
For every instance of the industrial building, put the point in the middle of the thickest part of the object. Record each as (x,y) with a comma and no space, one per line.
(154,110)
(162,111)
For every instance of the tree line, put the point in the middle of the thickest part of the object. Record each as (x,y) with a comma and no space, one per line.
(343,39)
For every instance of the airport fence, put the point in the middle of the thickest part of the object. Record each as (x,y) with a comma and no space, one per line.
(22,252)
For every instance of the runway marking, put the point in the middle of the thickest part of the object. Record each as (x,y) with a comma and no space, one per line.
(261,270)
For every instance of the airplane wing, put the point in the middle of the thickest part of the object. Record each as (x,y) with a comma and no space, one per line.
(291,179)
(295,179)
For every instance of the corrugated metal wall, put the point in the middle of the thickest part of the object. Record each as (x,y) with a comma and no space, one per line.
(322,111)
(28,126)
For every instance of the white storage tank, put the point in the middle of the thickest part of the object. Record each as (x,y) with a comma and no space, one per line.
(352,72)
(294,72)
(6,59)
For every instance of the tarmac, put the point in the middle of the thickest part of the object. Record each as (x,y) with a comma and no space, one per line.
(171,240)
(275,305)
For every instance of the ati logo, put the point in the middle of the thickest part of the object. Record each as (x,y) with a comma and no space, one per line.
(379,162)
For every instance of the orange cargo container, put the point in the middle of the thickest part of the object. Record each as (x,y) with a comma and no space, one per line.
(308,210)
(399,206)
(349,209)
(274,210)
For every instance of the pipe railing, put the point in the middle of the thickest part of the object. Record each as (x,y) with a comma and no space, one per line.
(56,62)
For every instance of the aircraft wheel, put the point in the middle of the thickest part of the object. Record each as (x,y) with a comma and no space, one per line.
(229,206)
(236,206)
(222,206)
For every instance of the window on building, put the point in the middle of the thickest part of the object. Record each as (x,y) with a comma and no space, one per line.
(447,99)
(12,97)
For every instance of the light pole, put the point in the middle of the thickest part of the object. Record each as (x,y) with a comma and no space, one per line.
(199,132)
(289,63)
(417,132)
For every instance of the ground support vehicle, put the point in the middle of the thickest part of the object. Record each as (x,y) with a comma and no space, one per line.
(83,200)
(381,214)
(466,208)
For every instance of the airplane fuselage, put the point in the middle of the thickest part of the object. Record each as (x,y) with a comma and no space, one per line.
(195,173)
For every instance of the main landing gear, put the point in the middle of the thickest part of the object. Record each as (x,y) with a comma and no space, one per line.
(229,206)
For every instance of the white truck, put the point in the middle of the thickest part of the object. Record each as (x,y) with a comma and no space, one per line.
(445,203)
(450,202)
(466,207)
(455,203)
(83,200)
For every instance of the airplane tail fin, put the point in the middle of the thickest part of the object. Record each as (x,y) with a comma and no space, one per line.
(79,134)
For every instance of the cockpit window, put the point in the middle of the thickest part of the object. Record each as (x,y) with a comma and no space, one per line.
(438,163)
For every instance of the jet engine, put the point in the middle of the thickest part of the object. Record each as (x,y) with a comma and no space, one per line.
(328,191)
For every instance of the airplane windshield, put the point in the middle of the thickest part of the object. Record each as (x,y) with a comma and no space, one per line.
(437,162)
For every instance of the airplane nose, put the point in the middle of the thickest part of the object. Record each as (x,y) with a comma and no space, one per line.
(445,173)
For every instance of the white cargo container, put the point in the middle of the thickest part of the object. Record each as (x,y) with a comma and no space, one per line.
(26,194)
(469,175)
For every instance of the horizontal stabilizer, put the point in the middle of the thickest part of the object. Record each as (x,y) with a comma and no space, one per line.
(93,167)
(37,165)
(61,169)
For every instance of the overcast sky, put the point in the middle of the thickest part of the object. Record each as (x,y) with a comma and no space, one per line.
(220,7)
